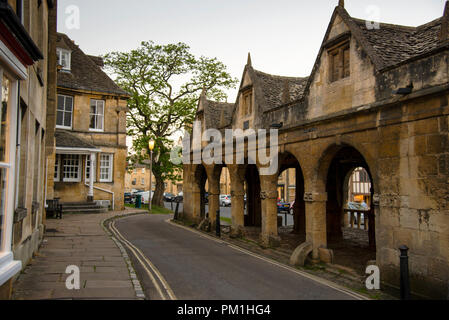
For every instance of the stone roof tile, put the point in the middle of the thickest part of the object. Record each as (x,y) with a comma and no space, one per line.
(85,73)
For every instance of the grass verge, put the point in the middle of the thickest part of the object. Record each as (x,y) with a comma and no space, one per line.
(154,209)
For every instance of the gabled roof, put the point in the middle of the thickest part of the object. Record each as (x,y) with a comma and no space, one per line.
(278,90)
(394,44)
(387,46)
(85,73)
(216,114)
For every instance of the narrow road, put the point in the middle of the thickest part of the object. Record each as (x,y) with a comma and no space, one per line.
(187,266)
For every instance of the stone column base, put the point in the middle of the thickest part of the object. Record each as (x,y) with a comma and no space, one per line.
(270,241)
(90,199)
(237,232)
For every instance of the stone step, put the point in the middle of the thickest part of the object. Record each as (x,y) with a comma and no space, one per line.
(83,207)
(85,210)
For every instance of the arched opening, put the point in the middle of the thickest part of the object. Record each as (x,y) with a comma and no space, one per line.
(291,204)
(350,222)
(253,203)
(225,199)
(201,180)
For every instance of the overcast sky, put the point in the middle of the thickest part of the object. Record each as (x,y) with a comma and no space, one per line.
(283,36)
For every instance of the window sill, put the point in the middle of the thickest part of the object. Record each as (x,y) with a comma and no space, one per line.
(96,130)
(8,267)
(63,128)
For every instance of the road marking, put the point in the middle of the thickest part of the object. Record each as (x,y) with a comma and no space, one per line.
(299,272)
(146,262)
(153,267)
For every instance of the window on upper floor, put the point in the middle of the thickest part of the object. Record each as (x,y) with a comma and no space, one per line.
(96,115)
(65,112)
(247,103)
(64,58)
(339,62)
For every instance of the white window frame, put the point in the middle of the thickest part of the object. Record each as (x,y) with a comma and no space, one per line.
(8,266)
(57,176)
(71,156)
(143,181)
(87,179)
(64,112)
(60,52)
(110,167)
(96,114)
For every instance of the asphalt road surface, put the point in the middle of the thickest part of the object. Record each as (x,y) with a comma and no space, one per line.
(181,264)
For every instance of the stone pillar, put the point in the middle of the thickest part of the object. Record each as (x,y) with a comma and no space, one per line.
(90,195)
(196,203)
(214,199)
(269,195)
(316,221)
(237,199)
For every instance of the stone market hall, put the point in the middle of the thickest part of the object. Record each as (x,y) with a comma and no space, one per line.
(376,100)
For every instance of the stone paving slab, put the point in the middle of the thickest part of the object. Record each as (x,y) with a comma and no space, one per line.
(80,240)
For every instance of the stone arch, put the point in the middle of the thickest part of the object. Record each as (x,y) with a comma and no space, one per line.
(287,160)
(327,155)
(335,165)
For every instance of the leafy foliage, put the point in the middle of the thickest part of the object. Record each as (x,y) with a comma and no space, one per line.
(165,82)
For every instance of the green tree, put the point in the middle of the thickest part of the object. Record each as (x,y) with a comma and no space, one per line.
(165,82)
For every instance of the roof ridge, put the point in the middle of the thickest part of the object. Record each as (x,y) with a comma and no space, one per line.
(281,77)
(385,24)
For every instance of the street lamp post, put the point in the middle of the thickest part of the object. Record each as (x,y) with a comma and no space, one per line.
(151,146)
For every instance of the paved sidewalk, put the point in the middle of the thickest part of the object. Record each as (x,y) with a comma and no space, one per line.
(77,240)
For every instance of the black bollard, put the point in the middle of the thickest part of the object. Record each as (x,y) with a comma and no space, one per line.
(405,279)
(218,224)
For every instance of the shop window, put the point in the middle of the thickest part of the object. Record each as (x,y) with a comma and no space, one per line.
(4,151)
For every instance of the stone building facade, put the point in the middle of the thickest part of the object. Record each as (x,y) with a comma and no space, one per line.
(27,78)
(377,98)
(139,179)
(90,131)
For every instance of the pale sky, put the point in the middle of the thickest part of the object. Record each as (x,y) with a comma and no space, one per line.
(283,36)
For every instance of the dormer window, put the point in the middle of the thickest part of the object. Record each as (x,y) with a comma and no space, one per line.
(247,103)
(339,62)
(64,58)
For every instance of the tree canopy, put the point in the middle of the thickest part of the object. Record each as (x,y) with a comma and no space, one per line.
(164,82)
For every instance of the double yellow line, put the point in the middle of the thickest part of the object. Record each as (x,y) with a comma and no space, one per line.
(160,284)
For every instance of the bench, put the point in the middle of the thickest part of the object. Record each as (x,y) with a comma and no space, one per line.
(54,208)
